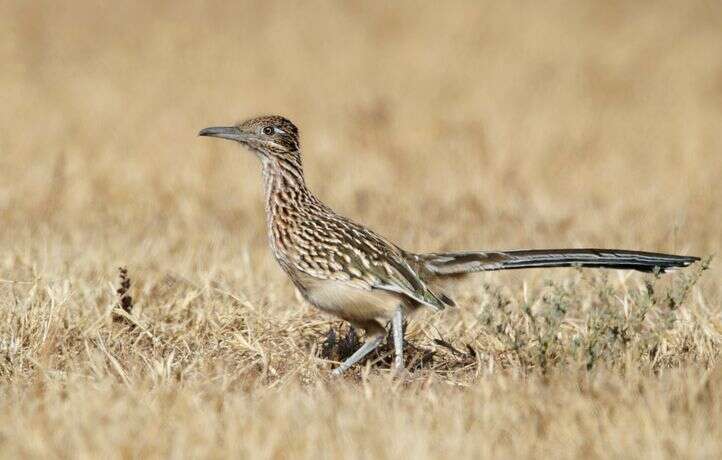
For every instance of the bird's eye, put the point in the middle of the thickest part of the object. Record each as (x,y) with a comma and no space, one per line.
(268,130)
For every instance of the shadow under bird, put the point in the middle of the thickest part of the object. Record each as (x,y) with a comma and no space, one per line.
(351,272)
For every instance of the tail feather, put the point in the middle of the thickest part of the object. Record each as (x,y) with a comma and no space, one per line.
(454,263)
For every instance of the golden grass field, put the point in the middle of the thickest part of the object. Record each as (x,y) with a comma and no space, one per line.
(492,125)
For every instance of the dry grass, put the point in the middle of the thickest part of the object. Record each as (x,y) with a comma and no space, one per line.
(501,125)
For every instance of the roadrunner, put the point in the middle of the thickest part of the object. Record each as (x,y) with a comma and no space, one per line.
(351,272)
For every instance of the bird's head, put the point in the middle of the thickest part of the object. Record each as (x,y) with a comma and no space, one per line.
(269,136)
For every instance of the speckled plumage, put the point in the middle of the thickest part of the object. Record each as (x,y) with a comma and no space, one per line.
(312,243)
(350,271)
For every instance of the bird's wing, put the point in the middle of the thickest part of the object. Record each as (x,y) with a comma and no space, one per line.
(345,251)
(393,273)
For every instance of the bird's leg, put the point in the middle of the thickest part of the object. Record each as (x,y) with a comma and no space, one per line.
(368,346)
(397,323)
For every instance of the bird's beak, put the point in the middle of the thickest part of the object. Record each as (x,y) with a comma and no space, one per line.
(229,132)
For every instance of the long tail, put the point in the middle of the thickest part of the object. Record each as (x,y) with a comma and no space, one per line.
(455,263)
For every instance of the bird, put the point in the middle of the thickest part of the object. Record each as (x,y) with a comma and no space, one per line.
(349,271)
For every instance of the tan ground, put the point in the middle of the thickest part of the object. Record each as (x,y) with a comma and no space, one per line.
(495,125)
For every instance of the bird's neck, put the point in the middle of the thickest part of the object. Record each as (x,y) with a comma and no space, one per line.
(282,174)
(285,188)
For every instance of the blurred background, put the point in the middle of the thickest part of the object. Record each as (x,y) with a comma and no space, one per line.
(467,125)
(443,125)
